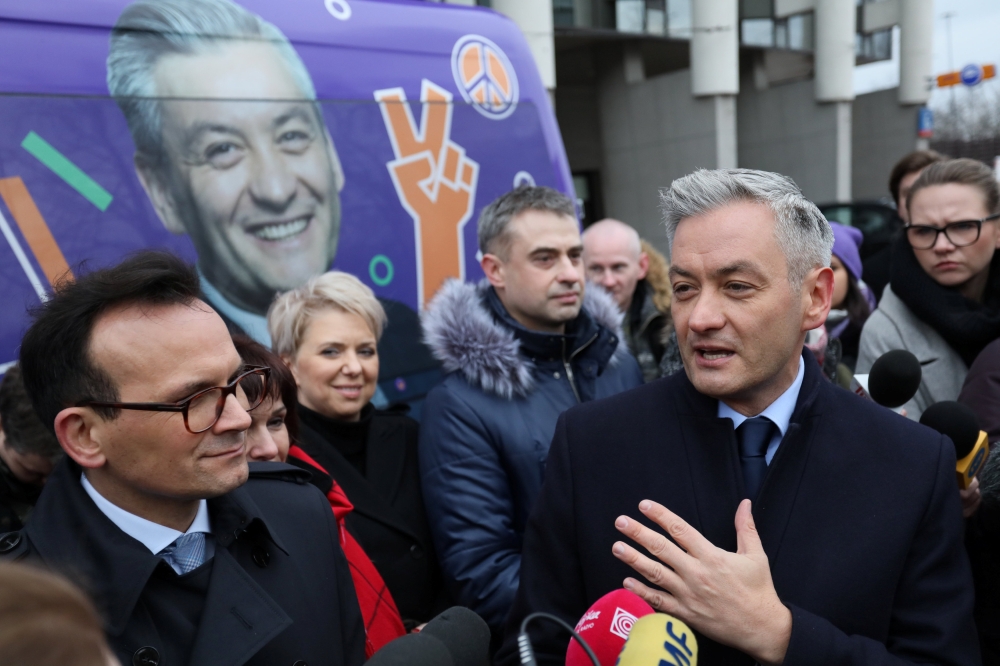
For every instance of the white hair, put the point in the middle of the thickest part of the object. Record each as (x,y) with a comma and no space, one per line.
(801,230)
(291,313)
(148,30)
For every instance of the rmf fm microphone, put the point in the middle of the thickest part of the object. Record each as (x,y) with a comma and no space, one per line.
(606,626)
(893,380)
(959,423)
(660,640)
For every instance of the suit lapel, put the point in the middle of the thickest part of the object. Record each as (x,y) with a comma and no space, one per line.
(241,610)
(361,493)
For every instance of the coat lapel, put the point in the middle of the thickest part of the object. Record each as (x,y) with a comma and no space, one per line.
(238,608)
(776,502)
(386,456)
(359,490)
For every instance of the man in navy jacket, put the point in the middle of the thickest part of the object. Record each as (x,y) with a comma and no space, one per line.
(853,551)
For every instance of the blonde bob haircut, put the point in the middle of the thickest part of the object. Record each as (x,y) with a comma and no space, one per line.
(291,313)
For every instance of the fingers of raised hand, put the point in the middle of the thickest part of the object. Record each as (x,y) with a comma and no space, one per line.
(654,542)
(654,572)
(662,602)
(679,530)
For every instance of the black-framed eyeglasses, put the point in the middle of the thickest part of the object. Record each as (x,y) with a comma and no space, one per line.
(204,409)
(959,234)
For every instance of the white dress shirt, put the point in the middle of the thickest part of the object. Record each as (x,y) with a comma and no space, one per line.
(779,412)
(152,535)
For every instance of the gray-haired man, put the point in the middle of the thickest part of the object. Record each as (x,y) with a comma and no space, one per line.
(521,347)
(853,552)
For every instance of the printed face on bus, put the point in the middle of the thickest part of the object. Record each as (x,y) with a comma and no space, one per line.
(250,171)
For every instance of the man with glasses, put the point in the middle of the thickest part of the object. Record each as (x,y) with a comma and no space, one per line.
(152,511)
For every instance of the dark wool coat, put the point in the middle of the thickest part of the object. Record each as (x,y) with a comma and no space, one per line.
(278,590)
(859,516)
(389,520)
(486,429)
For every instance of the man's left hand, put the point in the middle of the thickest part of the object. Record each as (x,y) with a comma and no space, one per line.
(728,597)
(971,498)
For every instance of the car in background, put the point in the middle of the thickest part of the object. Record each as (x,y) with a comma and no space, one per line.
(877,220)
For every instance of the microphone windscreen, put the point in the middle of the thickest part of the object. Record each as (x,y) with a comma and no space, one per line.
(894,378)
(660,639)
(413,650)
(464,633)
(605,626)
(955,420)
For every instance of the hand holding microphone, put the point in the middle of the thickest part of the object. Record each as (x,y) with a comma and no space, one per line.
(972,448)
(728,597)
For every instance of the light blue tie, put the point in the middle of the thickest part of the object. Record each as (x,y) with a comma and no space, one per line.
(186,553)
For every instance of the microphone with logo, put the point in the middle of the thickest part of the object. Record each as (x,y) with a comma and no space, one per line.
(605,627)
(456,637)
(893,380)
(660,640)
(959,423)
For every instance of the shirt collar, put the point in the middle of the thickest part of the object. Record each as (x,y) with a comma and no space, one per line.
(779,411)
(253,324)
(153,536)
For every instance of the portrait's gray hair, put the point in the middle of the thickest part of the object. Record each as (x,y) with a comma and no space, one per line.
(496,217)
(291,313)
(148,30)
(802,231)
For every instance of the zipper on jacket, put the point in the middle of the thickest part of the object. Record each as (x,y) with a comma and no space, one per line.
(567,365)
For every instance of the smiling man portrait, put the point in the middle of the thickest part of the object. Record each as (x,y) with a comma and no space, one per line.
(805,525)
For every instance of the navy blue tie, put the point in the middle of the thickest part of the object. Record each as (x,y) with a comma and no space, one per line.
(753,436)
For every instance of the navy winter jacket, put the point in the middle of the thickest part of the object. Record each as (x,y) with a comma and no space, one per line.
(487,427)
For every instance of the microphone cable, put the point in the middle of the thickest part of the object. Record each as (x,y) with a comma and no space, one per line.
(527,653)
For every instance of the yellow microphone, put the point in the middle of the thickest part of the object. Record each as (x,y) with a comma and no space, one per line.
(659,640)
(959,423)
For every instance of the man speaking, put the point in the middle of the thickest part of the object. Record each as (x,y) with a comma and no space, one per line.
(806,526)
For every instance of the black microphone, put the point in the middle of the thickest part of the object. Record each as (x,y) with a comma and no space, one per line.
(893,380)
(959,423)
(464,633)
(456,637)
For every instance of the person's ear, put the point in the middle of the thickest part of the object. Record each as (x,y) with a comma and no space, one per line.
(338,169)
(79,434)
(643,265)
(293,368)
(817,296)
(493,267)
(158,191)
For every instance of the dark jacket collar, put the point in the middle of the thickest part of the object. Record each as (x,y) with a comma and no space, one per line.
(71,534)
(580,332)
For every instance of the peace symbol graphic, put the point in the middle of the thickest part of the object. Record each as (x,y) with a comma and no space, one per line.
(484,76)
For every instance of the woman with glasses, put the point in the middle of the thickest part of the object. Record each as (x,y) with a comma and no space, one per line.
(327,332)
(943,300)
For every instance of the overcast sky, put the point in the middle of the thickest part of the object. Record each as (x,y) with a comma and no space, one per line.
(975,38)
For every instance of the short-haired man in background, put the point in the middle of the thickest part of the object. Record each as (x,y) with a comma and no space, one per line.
(28,450)
(853,552)
(520,348)
(151,510)
(901,179)
(613,257)
(233,150)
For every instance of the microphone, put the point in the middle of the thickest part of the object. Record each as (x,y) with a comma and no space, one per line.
(959,423)
(456,637)
(660,639)
(893,380)
(605,626)
(464,633)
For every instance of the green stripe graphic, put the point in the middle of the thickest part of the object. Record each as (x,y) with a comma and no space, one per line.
(71,173)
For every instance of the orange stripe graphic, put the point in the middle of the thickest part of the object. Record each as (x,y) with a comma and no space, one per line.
(36,232)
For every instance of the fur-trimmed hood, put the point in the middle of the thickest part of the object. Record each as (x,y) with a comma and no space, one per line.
(465,335)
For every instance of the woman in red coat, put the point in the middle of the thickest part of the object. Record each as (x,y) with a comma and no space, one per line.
(273,429)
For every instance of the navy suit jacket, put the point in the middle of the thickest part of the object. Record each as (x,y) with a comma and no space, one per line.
(859,515)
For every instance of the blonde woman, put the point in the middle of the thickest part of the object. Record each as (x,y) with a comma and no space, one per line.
(327,332)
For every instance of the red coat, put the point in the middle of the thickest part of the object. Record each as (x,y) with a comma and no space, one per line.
(381,617)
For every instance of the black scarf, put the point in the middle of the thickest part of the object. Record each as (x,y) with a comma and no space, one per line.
(966,325)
